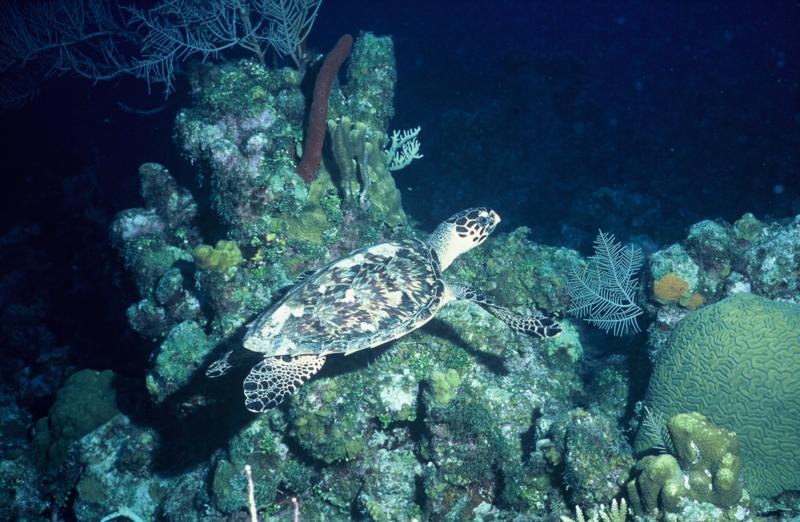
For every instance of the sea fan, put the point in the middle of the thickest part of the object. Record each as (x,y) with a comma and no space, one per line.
(655,427)
(603,290)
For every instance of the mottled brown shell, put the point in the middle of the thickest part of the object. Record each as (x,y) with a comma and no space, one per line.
(372,296)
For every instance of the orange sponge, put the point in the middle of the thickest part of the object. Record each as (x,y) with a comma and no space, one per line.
(669,288)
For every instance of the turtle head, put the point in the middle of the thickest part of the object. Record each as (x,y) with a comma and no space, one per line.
(462,232)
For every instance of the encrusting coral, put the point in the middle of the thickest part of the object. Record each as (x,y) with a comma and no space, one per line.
(221,257)
(670,288)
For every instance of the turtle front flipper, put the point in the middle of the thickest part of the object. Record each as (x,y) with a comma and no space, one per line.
(275,378)
(539,325)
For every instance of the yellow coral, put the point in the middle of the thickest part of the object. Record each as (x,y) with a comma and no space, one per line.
(692,301)
(669,288)
(223,256)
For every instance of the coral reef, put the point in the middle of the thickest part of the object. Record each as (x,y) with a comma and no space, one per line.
(771,261)
(736,362)
(669,288)
(748,227)
(358,129)
(221,257)
(283,171)
(431,416)
(445,421)
(520,272)
(20,494)
(241,131)
(717,260)
(173,204)
(461,420)
(618,512)
(675,271)
(180,355)
(363,168)
(713,243)
(243,128)
(594,454)
(115,466)
(705,468)
(371,79)
(86,401)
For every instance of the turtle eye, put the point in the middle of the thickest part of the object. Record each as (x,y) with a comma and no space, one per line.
(484,221)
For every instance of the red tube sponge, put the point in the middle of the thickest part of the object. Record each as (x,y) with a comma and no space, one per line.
(318,116)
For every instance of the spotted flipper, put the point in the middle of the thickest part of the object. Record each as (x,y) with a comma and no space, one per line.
(538,324)
(275,378)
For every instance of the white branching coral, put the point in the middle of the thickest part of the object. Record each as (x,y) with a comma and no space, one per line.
(617,513)
(404,149)
(603,291)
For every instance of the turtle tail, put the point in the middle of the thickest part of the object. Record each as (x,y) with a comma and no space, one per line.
(232,359)
(220,367)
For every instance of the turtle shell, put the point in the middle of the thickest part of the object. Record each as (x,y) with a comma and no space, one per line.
(365,299)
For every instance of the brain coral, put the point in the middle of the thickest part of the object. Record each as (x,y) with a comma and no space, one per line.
(738,363)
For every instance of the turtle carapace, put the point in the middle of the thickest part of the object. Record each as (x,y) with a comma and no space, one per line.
(365,299)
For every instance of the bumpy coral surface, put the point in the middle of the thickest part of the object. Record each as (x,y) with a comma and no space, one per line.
(674,263)
(180,356)
(704,468)
(86,401)
(596,456)
(737,362)
(772,261)
(116,463)
(221,257)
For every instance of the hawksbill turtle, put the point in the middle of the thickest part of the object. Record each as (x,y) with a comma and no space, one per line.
(369,297)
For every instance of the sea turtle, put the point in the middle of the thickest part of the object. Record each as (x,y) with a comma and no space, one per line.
(365,299)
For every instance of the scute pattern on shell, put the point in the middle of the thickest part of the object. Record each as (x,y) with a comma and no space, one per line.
(372,296)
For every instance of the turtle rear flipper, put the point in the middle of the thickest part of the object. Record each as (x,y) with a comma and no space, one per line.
(538,324)
(274,379)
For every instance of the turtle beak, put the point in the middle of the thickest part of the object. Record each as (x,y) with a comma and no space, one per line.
(494,219)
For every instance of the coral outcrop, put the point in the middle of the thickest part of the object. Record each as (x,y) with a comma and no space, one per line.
(737,362)
(594,454)
(704,468)
(86,401)
(463,419)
